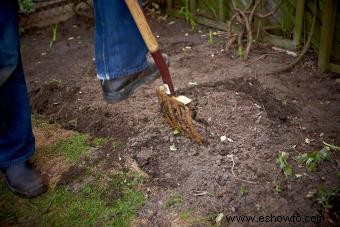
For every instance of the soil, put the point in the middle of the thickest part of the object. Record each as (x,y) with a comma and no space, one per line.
(261,116)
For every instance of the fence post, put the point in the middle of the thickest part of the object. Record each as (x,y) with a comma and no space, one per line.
(298,27)
(327,29)
(221,10)
(193,7)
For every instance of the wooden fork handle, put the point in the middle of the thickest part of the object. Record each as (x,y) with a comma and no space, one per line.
(142,24)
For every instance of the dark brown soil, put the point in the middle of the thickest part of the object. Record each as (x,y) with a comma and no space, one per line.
(260,115)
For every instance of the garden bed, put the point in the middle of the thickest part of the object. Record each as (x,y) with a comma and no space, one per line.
(258,116)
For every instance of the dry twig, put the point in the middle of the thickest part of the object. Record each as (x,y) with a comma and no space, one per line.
(232,171)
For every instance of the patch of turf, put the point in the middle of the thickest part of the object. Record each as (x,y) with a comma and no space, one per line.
(38,122)
(98,142)
(173,201)
(61,207)
(185,215)
(71,148)
(188,217)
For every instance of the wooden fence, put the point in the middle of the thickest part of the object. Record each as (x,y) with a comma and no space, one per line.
(293,20)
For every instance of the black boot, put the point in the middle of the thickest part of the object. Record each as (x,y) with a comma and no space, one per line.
(24,180)
(116,90)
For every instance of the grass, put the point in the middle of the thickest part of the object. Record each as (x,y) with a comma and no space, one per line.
(85,208)
(107,198)
(72,148)
(188,15)
(188,217)
(173,201)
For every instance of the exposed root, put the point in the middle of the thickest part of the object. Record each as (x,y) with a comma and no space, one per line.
(246,19)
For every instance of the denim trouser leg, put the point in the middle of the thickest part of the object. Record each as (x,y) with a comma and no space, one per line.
(16,137)
(119,48)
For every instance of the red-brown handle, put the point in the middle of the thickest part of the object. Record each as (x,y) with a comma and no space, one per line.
(150,41)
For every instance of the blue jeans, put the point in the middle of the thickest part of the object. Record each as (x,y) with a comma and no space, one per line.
(17,142)
(119,48)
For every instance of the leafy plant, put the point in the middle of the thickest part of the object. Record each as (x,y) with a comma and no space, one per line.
(26,6)
(282,160)
(54,34)
(324,197)
(189,17)
(313,159)
(278,188)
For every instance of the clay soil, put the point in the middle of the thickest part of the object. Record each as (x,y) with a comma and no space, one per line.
(261,116)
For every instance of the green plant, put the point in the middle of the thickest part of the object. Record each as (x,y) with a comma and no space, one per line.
(211,38)
(189,17)
(240,51)
(324,197)
(278,188)
(26,6)
(282,160)
(91,206)
(243,190)
(54,35)
(177,132)
(56,82)
(314,158)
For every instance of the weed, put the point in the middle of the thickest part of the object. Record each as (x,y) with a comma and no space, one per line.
(284,165)
(26,6)
(211,38)
(323,196)
(173,201)
(56,82)
(243,191)
(240,51)
(278,188)
(98,142)
(54,35)
(177,132)
(189,17)
(313,159)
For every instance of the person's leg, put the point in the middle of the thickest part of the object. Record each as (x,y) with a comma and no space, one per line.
(17,143)
(16,139)
(119,48)
(120,51)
